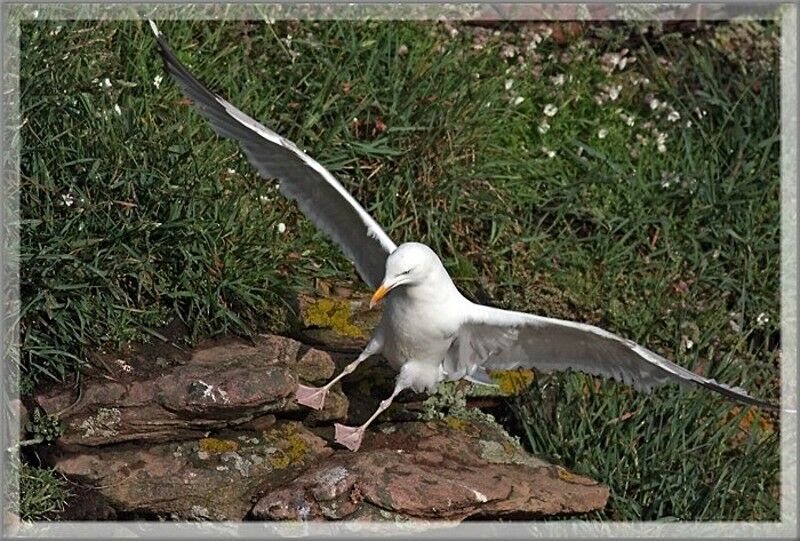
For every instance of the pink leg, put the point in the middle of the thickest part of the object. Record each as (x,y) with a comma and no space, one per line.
(350,436)
(314,397)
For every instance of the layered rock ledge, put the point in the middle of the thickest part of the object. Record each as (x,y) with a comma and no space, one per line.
(214,434)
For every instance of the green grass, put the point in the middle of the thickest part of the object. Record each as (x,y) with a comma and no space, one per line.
(675,249)
(43,493)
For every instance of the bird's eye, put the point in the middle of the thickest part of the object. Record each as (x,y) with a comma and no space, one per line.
(406,272)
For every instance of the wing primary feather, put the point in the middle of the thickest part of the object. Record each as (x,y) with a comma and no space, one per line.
(318,194)
(503,339)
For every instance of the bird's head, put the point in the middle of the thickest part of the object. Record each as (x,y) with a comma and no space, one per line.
(409,264)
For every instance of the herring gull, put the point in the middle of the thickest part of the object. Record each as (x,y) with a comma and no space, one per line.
(429,332)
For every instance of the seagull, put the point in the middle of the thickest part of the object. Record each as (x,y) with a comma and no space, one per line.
(428,332)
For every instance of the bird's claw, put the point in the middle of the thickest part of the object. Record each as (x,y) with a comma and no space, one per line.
(349,436)
(313,397)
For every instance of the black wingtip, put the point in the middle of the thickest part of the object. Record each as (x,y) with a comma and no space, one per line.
(740,396)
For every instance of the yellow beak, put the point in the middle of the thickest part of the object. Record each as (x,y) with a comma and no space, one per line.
(379,294)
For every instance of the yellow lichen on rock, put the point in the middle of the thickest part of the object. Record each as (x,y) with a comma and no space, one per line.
(291,446)
(462,425)
(333,314)
(513,382)
(214,446)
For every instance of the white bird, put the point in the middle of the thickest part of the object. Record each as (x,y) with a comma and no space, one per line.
(429,332)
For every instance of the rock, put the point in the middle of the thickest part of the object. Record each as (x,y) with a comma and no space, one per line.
(430,471)
(214,434)
(202,479)
(450,469)
(221,384)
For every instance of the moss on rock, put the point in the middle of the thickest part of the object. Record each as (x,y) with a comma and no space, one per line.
(334,314)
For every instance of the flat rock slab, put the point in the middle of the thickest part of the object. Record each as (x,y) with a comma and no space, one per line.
(201,479)
(221,384)
(447,470)
(443,470)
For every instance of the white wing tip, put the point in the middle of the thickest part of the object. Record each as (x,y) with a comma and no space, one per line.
(154,28)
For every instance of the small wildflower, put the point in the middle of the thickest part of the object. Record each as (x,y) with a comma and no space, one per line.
(263,198)
(508,51)
(509,83)
(613,92)
(544,127)
(762,319)
(688,124)
(673,116)
(281,227)
(157,81)
(231,171)
(516,101)
(654,104)
(689,343)
(117,109)
(661,142)
(602,134)
(557,80)
(67,199)
(550,110)
(124,366)
(35,13)
(628,119)
(550,153)
(402,50)
(107,82)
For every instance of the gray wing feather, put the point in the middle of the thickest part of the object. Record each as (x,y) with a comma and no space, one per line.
(503,340)
(318,194)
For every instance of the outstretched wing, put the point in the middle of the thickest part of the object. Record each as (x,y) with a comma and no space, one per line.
(318,194)
(502,340)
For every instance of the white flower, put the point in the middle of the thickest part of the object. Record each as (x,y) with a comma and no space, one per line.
(654,104)
(67,199)
(117,109)
(550,153)
(509,83)
(107,82)
(516,101)
(263,198)
(281,227)
(157,81)
(673,116)
(762,319)
(550,109)
(35,13)
(544,127)
(689,343)
(628,119)
(613,92)
(661,140)
(231,171)
(557,80)
(688,123)
(124,366)
(602,134)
